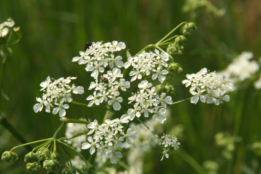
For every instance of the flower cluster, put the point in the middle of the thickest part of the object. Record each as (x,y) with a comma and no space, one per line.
(108,90)
(208,87)
(147,101)
(241,68)
(152,64)
(108,137)
(169,143)
(56,94)
(5,27)
(99,56)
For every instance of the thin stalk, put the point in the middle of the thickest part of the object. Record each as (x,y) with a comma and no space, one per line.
(124,165)
(180,101)
(170,33)
(146,126)
(86,162)
(26,144)
(55,134)
(65,156)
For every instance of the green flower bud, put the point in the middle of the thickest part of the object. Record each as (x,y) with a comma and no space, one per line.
(31,157)
(160,88)
(180,40)
(51,165)
(55,155)
(44,154)
(189,28)
(9,156)
(173,67)
(172,49)
(170,90)
(34,166)
(88,169)
(69,170)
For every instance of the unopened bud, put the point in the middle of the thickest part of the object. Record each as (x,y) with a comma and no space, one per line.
(31,157)
(189,28)
(9,156)
(34,166)
(51,165)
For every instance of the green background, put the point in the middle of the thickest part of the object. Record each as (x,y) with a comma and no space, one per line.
(55,31)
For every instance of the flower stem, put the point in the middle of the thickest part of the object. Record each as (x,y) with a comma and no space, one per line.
(180,101)
(55,134)
(86,162)
(26,144)
(170,33)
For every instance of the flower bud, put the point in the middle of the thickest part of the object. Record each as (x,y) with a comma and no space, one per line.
(69,170)
(44,154)
(34,166)
(160,88)
(55,155)
(51,165)
(9,156)
(170,90)
(189,28)
(180,40)
(174,67)
(88,169)
(31,157)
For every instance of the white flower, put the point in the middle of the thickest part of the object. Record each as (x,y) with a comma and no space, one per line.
(91,145)
(198,95)
(39,106)
(113,155)
(164,100)
(61,108)
(93,99)
(159,114)
(159,73)
(78,90)
(129,136)
(115,73)
(134,112)
(115,101)
(123,85)
(144,85)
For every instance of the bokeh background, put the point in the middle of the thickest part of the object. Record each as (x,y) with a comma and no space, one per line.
(55,31)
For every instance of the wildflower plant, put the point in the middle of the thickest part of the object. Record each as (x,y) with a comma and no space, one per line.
(145,77)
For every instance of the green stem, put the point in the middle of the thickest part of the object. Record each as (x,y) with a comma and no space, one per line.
(180,101)
(13,131)
(65,156)
(55,134)
(146,126)
(165,41)
(170,32)
(148,46)
(86,162)
(26,144)
(191,161)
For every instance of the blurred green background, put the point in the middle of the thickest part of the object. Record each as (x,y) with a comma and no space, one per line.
(55,31)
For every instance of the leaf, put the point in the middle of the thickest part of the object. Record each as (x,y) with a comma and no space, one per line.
(4,95)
